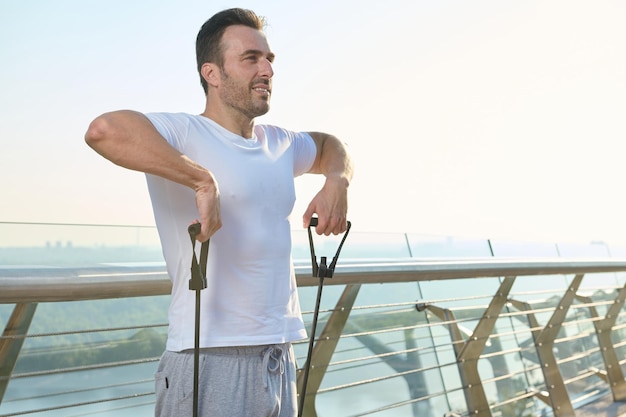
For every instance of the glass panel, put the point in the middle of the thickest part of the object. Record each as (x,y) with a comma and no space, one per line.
(391,359)
(385,357)
(75,245)
(438,247)
(510,249)
(370,246)
(111,386)
(617,251)
(67,339)
(581,250)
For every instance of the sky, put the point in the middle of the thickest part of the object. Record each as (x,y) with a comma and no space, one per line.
(490,119)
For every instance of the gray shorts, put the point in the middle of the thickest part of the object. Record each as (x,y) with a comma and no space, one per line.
(244,381)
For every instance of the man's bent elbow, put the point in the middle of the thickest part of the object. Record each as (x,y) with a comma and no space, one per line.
(96,132)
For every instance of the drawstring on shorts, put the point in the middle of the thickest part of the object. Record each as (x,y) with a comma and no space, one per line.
(273,362)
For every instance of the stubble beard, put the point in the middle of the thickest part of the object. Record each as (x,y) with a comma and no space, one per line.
(239,97)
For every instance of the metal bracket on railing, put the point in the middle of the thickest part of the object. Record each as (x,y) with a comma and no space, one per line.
(421,307)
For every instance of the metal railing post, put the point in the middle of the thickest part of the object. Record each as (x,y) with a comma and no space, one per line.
(544,342)
(12,341)
(468,351)
(613,371)
(325,347)
(474,346)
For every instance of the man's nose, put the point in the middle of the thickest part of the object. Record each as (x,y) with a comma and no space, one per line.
(266,69)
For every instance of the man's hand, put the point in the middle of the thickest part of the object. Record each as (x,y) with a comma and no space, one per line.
(208,204)
(129,139)
(331,203)
(331,206)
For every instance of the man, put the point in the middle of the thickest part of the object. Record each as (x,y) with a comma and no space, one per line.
(236,180)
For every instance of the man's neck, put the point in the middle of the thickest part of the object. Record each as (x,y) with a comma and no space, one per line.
(237,124)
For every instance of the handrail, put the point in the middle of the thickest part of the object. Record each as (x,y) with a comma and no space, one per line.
(24,284)
(27,286)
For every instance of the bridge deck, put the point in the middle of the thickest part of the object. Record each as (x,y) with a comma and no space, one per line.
(603,407)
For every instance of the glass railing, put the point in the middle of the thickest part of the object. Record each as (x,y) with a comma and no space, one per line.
(397,340)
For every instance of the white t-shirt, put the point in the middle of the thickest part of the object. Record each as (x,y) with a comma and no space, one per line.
(251,298)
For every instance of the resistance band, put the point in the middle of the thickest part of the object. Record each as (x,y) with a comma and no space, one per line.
(320,271)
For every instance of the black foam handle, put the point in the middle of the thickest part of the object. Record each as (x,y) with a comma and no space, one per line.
(194,229)
(313,222)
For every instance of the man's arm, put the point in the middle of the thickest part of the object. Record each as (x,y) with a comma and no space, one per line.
(130,140)
(331,202)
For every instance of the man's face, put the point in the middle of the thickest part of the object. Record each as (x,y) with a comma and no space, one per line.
(247,72)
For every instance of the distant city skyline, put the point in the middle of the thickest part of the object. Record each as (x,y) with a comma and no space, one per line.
(494,119)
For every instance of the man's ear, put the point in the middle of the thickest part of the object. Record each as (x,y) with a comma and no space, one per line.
(211,73)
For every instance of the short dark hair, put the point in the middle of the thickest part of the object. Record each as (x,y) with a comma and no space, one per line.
(209,40)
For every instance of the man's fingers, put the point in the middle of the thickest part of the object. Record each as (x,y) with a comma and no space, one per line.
(327,226)
(306,217)
(204,230)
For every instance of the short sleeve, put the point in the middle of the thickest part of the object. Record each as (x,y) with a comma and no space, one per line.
(304,151)
(174,127)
